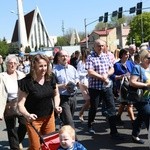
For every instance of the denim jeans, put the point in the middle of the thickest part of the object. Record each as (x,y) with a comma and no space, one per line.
(15,136)
(143,115)
(107,96)
(68,104)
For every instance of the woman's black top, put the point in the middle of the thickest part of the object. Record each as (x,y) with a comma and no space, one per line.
(40,97)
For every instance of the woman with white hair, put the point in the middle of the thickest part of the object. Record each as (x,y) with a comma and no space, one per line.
(8,96)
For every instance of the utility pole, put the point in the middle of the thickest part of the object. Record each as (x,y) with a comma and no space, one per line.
(85,26)
(86,38)
(142,26)
(63,28)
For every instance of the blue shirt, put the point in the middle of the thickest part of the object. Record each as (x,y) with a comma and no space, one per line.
(120,69)
(64,74)
(76,146)
(145,77)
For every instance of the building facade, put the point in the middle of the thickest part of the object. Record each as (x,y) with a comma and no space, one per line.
(37,35)
(114,37)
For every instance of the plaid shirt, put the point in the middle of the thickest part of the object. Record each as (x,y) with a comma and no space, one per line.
(100,64)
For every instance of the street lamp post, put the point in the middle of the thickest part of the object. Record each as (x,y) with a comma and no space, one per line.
(85,25)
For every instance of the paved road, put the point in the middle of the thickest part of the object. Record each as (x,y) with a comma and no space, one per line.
(100,141)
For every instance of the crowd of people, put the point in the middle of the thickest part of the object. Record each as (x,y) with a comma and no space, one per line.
(44,90)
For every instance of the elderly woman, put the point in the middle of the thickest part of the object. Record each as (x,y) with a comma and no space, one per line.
(140,78)
(8,94)
(37,93)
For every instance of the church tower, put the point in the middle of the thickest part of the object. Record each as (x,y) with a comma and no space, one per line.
(22,34)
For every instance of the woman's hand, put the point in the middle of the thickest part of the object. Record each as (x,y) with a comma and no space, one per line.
(58,109)
(31,117)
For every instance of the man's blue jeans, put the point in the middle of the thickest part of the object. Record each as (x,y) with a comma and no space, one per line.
(96,96)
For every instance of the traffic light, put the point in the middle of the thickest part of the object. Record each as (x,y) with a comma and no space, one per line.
(132,10)
(100,18)
(114,13)
(106,17)
(139,8)
(120,12)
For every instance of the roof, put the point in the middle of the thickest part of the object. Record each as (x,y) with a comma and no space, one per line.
(99,32)
(102,32)
(28,22)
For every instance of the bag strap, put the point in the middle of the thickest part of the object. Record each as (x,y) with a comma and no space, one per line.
(141,79)
(41,138)
(122,81)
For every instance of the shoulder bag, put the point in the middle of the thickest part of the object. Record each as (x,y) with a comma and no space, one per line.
(135,94)
(11,109)
(124,88)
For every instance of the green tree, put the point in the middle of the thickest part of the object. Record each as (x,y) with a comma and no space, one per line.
(13,49)
(139,29)
(27,49)
(4,47)
(62,41)
(65,40)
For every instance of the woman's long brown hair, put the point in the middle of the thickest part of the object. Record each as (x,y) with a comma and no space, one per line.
(35,60)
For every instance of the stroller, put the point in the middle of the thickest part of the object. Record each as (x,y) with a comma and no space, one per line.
(49,141)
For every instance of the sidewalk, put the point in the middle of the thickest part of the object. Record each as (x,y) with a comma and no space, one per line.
(100,141)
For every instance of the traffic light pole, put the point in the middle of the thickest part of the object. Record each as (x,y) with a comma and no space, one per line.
(86,36)
(142,33)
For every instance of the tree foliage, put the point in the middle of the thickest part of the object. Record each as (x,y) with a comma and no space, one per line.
(140,29)
(65,40)
(13,49)
(62,41)
(4,47)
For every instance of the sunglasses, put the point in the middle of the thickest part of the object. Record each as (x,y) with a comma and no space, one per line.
(148,58)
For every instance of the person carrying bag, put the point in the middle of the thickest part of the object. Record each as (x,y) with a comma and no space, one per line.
(136,94)
(8,102)
(142,104)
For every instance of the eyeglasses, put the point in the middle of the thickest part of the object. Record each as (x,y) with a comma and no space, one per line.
(64,55)
(148,58)
(100,45)
(12,63)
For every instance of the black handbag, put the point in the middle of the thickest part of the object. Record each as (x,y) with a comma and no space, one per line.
(124,88)
(136,94)
(11,109)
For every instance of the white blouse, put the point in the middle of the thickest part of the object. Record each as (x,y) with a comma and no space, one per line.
(83,74)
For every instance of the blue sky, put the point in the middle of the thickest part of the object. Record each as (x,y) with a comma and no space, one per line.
(72,13)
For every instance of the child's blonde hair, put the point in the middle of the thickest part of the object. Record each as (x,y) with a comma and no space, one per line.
(68,129)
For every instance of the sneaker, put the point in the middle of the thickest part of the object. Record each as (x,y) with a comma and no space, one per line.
(91,130)
(137,140)
(117,136)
